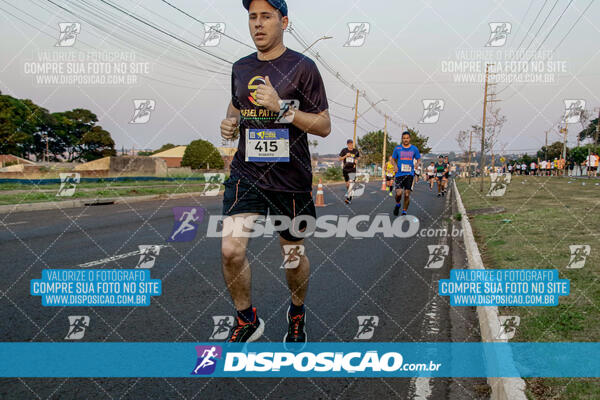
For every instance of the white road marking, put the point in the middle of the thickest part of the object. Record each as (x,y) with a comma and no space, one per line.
(422,388)
(114,258)
(14,223)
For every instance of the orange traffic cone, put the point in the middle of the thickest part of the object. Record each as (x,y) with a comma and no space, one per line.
(320,201)
(383,184)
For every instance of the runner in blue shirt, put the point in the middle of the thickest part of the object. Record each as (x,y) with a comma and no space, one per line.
(404,156)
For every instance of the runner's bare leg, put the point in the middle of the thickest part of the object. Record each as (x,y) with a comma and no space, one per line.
(236,268)
(297,278)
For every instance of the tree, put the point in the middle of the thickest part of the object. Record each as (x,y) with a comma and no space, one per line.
(419,141)
(370,147)
(201,154)
(97,143)
(551,152)
(589,132)
(495,123)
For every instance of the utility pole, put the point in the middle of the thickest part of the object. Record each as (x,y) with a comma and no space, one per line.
(565,130)
(384,149)
(597,128)
(355,117)
(546,148)
(469,161)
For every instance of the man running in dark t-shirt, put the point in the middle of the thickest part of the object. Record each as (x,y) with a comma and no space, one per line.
(277,98)
(349,156)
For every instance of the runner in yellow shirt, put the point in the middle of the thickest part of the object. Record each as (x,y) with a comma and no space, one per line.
(389,175)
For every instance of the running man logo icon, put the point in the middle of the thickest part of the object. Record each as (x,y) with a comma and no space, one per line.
(431,111)
(142,111)
(366,326)
(437,255)
(186,223)
(68,183)
(291,255)
(148,254)
(213,183)
(498,184)
(223,324)
(77,326)
(285,106)
(212,34)
(573,111)
(508,327)
(207,359)
(499,32)
(357,185)
(358,33)
(68,32)
(579,253)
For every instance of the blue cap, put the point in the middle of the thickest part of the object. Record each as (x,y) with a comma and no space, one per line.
(280,5)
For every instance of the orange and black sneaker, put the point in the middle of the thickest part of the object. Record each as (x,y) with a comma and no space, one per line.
(247,331)
(296,332)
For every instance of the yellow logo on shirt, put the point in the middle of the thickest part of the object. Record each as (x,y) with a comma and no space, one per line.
(253,85)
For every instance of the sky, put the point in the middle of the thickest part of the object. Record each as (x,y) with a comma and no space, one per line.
(413,52)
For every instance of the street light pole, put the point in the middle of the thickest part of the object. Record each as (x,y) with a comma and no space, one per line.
(315,42)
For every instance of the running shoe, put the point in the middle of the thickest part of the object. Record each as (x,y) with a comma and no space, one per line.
(247,331)
(404,212)
(396,210)
(296,332)
(391,194)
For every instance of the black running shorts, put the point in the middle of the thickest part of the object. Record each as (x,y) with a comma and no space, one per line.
(404,182)
(241,196)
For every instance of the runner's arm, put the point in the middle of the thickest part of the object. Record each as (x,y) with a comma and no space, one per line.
(233,112)
(317,124)
(231,122)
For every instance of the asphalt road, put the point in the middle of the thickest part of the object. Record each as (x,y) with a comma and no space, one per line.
(350,277)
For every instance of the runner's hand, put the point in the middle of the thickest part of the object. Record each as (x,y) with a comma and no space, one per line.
(228,127)
(267,96)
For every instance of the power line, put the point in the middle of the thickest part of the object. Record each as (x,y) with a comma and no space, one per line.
(524,17)
(97,16)
(336,74)
(204,23)
(532,24)
(163,31)
(546,37)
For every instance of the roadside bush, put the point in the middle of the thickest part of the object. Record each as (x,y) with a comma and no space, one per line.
(201,154)
(333,174)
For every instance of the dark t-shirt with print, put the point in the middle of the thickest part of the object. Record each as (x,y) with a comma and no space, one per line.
(294,77)
(350,161)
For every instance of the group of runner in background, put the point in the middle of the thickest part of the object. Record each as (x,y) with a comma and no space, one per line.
(556,167)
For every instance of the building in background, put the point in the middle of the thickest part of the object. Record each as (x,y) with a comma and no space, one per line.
(172,156)
(227,154)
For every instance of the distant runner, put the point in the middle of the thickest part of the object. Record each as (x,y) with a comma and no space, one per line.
(440,170)
(404,156)
(349,156)
(431,175)
(390,171)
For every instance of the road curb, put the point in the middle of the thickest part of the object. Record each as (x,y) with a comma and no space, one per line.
(489,323)
(53,205)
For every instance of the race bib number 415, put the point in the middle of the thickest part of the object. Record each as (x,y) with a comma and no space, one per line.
(267,145)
